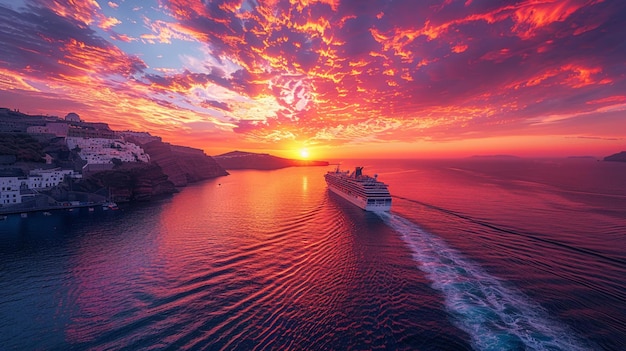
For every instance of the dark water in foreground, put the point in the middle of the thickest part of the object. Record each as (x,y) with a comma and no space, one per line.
(476,254)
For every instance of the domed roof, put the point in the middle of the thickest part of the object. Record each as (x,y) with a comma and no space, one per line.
(72,117)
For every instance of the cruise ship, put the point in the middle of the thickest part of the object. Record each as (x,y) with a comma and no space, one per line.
(362,190)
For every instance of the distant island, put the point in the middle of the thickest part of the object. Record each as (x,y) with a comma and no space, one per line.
(497,157)
(250,160)
(618,157)
(582,157)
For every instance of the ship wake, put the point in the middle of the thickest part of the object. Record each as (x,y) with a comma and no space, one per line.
(496,316)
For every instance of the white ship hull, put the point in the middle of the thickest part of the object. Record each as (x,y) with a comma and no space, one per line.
(361,202)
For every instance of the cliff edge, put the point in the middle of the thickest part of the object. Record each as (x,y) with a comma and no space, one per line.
(183,165)
(130,182)
(618,157)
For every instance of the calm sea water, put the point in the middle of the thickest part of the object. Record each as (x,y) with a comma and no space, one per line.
(476,254)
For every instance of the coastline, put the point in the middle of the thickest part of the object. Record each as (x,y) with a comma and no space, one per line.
(66,206)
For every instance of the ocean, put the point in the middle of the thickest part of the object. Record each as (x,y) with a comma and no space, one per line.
(476,254)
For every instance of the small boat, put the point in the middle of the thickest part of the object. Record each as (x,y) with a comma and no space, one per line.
(109,206)
(91,209)
(47,213)
(2,218)
(24,215)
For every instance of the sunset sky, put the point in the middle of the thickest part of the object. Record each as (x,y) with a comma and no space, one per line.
(402,78)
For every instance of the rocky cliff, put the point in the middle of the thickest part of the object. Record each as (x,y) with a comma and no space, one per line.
(618,157)
(131,182)
(250,160)
(171,166)
(183,165)
(22,147)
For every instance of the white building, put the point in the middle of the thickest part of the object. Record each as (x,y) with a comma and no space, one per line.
(58,129)
(11,188)
(47,178)
(101,150)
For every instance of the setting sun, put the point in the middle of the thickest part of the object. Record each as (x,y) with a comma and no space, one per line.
(304,153)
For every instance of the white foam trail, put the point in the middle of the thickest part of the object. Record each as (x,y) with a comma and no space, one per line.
(497,317)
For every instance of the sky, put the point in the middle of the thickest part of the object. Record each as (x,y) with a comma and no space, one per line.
(361,79)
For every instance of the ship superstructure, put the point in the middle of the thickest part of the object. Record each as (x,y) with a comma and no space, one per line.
(364,191)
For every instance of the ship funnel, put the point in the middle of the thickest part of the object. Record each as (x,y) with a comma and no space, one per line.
(358,171)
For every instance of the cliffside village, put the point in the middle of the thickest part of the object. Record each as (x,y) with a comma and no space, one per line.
(98,146)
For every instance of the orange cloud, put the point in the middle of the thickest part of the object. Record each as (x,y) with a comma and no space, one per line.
(572,75)
(459,48)
(301,4)
(534,15)
(83,11)
(109,22)
(609,100)
(88,59)
(10,80)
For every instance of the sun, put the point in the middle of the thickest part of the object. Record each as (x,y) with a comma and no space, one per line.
(304,153)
